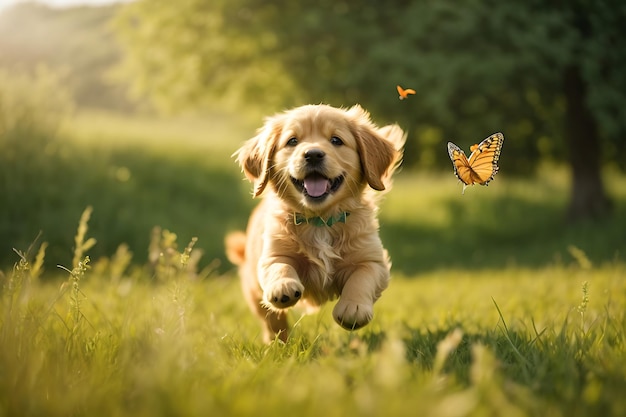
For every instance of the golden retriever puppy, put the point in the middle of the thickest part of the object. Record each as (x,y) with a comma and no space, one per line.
(314,236)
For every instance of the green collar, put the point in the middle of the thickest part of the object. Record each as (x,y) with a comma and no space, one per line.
(318,221)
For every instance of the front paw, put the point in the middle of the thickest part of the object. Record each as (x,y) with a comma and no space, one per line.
(351,315)
(283,293)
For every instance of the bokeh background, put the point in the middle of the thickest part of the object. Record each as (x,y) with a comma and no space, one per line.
(134,109)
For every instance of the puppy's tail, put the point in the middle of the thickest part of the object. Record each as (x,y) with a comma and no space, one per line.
(235,243)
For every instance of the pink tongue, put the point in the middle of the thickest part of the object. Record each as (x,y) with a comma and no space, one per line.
(316,186)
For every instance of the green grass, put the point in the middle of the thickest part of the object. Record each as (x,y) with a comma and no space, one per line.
(428,224)
(496,306)
(136,173)
(513,341)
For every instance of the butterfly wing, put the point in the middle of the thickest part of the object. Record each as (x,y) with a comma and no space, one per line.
(483,161)
(404,92)
(461,164)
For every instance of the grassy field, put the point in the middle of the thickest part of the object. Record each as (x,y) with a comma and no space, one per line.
(496,306)
(136,173)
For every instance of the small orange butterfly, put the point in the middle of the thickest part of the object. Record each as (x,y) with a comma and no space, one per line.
(404,93)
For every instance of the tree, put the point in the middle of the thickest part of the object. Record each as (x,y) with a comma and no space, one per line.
(594,87)
(542,72)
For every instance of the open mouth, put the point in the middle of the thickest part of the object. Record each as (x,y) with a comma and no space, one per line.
(316,186)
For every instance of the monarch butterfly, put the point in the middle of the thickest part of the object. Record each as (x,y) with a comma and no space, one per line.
(404,93)
(482,164)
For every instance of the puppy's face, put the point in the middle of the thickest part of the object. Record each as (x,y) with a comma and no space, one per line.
(316,156)
(316,162)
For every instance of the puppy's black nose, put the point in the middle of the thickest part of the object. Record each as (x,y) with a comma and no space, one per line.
(314,156)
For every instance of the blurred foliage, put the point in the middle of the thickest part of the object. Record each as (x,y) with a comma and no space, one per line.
(76,41)
(477,66)
(32,109)
(169,177)
(31,104)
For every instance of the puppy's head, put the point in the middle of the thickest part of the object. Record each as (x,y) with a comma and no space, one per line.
(316,156)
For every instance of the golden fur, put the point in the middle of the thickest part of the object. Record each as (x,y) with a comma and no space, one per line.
(309,162)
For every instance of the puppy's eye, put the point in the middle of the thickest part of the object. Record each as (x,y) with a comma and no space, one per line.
(292,142)
(336,140)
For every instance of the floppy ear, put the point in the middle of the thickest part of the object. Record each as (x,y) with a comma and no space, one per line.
(256,154)
(376,153)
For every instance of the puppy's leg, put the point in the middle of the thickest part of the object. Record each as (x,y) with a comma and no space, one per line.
(281,285)
(362,288)
(274,322)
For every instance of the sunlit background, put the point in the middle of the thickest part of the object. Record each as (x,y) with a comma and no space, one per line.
(135,109)
(61,3)
(118,122)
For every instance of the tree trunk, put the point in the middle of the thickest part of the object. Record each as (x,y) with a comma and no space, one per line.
(588,198)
